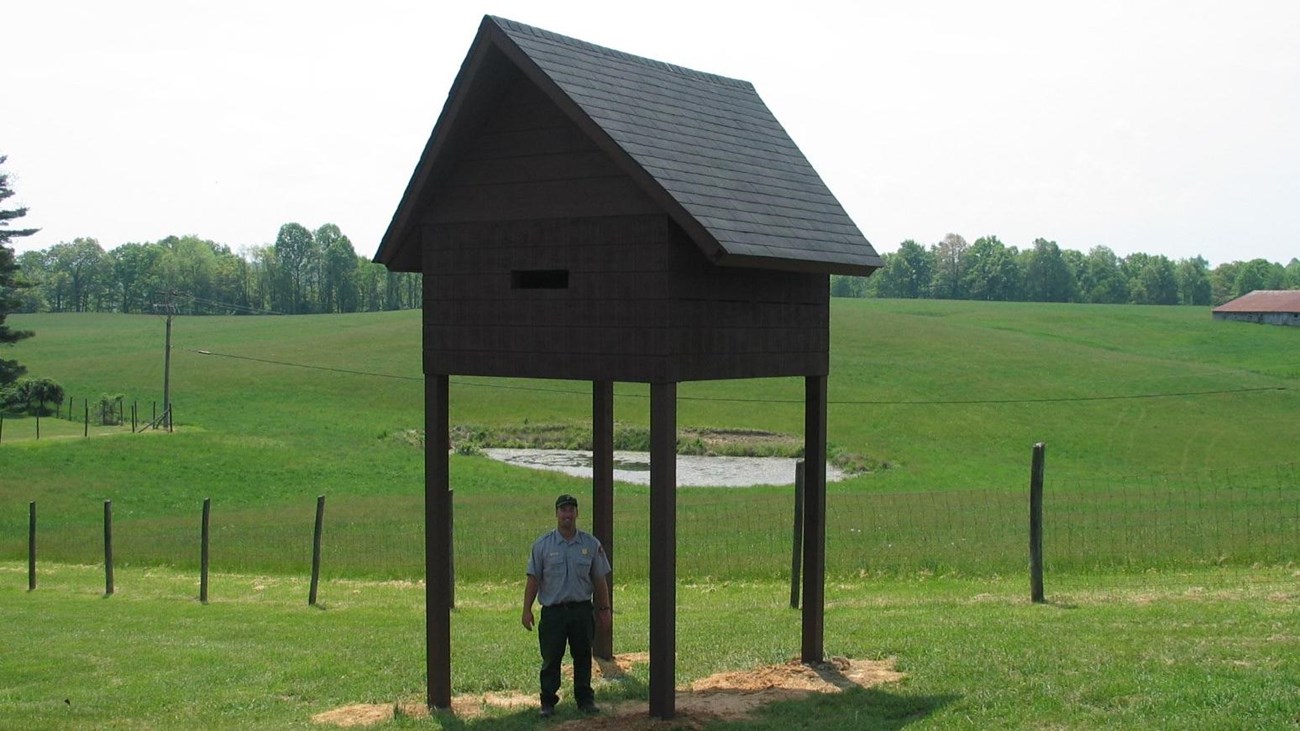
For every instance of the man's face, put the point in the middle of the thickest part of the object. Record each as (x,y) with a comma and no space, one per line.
(566,516)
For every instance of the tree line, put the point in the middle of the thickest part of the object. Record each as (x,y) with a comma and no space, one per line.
(303,272)
(318,271)
(990,270)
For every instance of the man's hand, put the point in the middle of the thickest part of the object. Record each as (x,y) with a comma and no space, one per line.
(527,619)
(604,619)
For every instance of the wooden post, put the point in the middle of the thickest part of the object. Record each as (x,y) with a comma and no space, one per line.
(602,496)
(796,545)
(814,539)
(203,547)
(2,428)
(315,547)
(437,569)
(31,546)
(1036,525)
(38,426)
(108,548)
(85,431)
(663,549)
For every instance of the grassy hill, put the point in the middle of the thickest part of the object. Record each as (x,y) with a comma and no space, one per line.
(946,396)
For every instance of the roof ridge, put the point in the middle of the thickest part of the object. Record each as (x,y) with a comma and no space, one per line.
(509,26)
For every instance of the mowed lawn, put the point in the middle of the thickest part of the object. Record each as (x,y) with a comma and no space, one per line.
(1206,649)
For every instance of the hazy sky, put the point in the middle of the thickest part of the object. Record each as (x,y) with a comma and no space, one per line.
(1164,127)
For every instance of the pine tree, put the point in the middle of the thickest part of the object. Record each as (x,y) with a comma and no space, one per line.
(10,282)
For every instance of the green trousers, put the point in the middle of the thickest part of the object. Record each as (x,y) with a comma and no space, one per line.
(573,624)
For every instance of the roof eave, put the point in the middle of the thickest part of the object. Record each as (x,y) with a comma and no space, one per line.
(862,268)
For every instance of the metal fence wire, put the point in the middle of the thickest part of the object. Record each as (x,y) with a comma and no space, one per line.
(1094,524)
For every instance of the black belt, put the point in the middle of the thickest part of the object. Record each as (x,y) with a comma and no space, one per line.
(570,605)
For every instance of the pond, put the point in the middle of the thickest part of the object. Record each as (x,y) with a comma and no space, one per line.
(692,470)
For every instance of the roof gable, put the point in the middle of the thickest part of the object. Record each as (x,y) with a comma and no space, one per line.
(705,147)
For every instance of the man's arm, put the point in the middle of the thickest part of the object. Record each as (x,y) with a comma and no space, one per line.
(530,595)
(600,598)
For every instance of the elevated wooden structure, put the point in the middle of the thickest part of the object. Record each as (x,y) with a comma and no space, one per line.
(582,213)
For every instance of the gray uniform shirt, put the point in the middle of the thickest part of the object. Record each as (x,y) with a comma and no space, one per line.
(565,569)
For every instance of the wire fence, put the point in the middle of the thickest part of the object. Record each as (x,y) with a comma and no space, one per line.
(1186,520)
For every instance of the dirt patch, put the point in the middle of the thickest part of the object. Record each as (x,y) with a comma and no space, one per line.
(730,696)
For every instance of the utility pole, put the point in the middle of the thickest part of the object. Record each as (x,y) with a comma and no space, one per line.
(170,307)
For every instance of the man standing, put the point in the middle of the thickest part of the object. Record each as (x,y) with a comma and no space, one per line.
(566,569)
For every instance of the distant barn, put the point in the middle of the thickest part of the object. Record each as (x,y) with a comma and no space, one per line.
(1263,306)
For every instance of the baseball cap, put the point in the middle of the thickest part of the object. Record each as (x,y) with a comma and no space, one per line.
(563,500)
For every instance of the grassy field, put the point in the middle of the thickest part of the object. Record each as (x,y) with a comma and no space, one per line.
(948,397)
(1211,649)
(1173,527)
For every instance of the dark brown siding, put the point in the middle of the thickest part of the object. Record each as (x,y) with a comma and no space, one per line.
(641,304)
(531,162)
(542,259)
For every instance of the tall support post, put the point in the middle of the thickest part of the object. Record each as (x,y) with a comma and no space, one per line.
(602,495)
(663,549)
(814,538)
(437,537)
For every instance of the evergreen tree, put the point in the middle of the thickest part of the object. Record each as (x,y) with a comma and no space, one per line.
(10,283)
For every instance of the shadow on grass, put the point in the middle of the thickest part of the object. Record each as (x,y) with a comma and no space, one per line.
(854,708)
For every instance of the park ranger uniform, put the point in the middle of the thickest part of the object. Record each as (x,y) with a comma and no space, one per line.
(565,570)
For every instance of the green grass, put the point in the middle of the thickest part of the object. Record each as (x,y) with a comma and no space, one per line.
(1172,524)
(1208,649)
(948,396)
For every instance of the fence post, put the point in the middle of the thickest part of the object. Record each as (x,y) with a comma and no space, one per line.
(796,548)
(2,427)
(203,550)
(38,425)
(1036,526)
(31,546)
(85,432)
(315,550)
(108,548)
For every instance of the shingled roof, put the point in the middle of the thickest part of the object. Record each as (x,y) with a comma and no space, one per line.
(705,147)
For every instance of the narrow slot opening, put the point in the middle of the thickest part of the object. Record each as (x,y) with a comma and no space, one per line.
(539,279)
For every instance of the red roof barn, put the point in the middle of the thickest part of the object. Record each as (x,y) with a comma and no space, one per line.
(1265,306)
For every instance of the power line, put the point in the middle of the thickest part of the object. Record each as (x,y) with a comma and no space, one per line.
(222,305)
(832,402)
(303,365)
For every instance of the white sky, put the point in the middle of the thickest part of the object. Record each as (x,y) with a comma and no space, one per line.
(1169,127)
